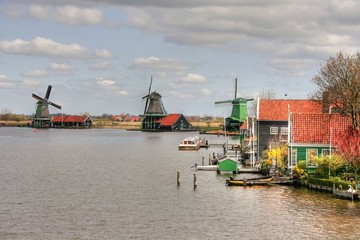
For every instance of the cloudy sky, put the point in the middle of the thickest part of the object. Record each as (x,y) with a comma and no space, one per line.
(99,55)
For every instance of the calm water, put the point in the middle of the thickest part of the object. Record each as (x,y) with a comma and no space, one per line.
(113,184)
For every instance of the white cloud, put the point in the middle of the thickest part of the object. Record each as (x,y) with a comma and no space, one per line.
(103,53)
(183,95)
(35,73)
(3,77)
(101,66)
(193,78)
(46,47)
(30,83)
(5,82)
(156,63)
(43,47)
(206,92)
(68,14)
(123,93)
(63,68)
(105,82)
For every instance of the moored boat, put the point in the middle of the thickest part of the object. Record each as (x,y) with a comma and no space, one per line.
(249,182)
(190,143)
(207,167)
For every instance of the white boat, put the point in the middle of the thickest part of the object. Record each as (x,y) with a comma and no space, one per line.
(207,168)
(190,143)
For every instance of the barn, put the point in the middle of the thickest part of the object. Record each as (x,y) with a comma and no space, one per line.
(71,121)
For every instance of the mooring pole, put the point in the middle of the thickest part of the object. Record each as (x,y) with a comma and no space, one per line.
(203,160)
(195,182)
(178,177)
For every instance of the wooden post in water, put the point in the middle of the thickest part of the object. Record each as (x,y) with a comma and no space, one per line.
(209,159)
(178,177)
(195,182)
(203,160)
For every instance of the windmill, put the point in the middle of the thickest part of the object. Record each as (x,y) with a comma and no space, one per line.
(154,110)
(42,118)
(155,106)
(239,111)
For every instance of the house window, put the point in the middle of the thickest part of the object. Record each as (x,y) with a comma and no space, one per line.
(325,152)
(310,156)
(274,130)
(293,160)
(284,131)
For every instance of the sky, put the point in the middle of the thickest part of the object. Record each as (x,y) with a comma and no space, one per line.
(99,56)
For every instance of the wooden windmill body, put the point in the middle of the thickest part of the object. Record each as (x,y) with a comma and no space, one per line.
(153,112)
(42,117)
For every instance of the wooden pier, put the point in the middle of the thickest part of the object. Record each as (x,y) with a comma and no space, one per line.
(335,192)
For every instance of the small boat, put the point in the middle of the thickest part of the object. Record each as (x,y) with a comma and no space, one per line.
(207,167)
(190,143)
(249,182)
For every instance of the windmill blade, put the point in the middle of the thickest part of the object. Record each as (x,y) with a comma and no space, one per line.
(225,101)
(47,95)
(147,96)
(37,97)
(55,105)
(235,88)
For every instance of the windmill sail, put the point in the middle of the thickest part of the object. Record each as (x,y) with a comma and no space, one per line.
(147,99)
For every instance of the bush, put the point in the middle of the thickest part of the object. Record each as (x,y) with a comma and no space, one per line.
(329,182)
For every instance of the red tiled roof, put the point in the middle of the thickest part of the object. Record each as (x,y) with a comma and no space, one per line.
(315,128)
(70,118)
(170,119)
(277,109)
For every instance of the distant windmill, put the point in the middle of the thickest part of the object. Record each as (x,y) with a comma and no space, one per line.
(154,111)
(238,113)
(155,106)
(42,117)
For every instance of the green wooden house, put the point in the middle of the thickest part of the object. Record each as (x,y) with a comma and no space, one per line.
(228,164)
(313,135)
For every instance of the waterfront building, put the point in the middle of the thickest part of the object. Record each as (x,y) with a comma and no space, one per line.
(313,135)
(71,121)
(273,119)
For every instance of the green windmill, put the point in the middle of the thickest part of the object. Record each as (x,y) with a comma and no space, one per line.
(238,116)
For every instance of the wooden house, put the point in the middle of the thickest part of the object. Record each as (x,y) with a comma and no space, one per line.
(313,135)
(174,122)
(273,119)
(71,121)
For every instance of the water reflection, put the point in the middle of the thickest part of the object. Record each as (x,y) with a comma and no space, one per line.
(106,184)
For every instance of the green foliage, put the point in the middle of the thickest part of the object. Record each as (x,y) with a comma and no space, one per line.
(329,182)
(264,167)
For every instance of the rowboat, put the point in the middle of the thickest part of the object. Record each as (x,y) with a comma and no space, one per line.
(249,182)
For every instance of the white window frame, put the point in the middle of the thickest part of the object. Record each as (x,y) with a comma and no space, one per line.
(293,157)
(274,130)
(308,160)
(284,131)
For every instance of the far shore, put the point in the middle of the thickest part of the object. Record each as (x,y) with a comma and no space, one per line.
(118,125)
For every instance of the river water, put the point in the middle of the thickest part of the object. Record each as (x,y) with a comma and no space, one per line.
(115,184)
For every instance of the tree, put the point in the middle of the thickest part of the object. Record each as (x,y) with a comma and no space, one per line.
(348,146)
(339,81)
(6,114)
(264,94)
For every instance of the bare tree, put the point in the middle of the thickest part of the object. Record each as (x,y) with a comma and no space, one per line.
(264,94)
(6,114)
(339,81)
